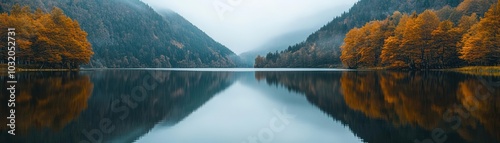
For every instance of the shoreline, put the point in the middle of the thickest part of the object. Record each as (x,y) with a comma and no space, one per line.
(477,70)
(47,70)
(3,68)
(473,70)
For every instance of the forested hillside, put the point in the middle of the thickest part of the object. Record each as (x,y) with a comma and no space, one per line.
(322,48)
(430,40)
(128,33)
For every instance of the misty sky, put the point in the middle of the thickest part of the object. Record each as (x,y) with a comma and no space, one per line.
(243,25)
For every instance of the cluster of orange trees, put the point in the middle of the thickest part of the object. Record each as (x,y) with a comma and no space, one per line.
(46,40)
(424,41)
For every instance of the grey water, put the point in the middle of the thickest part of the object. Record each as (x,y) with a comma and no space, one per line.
(253,106)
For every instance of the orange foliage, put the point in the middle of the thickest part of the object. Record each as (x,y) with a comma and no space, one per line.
(483,101)
(50,39)
(51,102)
(423,41)
(420,100)
(481,45)
(445,50)
(388,96)
(362,46)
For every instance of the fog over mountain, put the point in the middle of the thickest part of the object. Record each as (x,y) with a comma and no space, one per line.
(245,25)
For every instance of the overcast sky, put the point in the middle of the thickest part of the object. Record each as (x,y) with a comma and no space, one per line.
(243,25)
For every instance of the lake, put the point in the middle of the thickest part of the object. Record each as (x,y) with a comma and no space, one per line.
(253,106)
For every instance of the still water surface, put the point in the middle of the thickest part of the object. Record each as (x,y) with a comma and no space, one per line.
(247,106)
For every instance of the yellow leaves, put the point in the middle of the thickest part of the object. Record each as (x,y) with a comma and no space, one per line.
(401,46)
(362,46)
(424,42)
(350,55)
(481,44)
(390,52)
(444,41)
(51,38)
(427,22)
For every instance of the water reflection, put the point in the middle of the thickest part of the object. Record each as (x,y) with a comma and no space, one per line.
(401,106)
(48,100)
(377,107)
(116,100)
(427,100)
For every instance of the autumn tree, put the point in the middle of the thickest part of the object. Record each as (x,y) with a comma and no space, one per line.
(481,44)
(48,39)
(423,41)
(350,55)
(374,37)
(392,54)
(445,39)
(417,39)
(63,41)
(363,46)
(474,6)
(21,19)
(466,22)
(411,45)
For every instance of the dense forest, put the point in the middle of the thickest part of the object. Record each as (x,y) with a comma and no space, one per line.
(46,40)
(129,33)
(322,48)
(430,40)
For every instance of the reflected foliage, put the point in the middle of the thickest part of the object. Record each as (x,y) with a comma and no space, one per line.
(47,100)
(483,101)
(427,100)
(134,102)
(402,98)
(401,106)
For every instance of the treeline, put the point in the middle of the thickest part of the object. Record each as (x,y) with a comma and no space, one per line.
(322,48)
(295,57)
(46,40)
(130,34)
(430,40)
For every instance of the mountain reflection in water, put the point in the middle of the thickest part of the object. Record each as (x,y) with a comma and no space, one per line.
(377,107)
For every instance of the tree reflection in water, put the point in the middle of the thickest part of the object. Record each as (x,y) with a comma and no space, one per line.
(60,107)
(400,106)
(48,100)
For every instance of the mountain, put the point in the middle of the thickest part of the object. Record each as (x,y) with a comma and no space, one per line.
(322,48)
(130,34)
(276,44)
